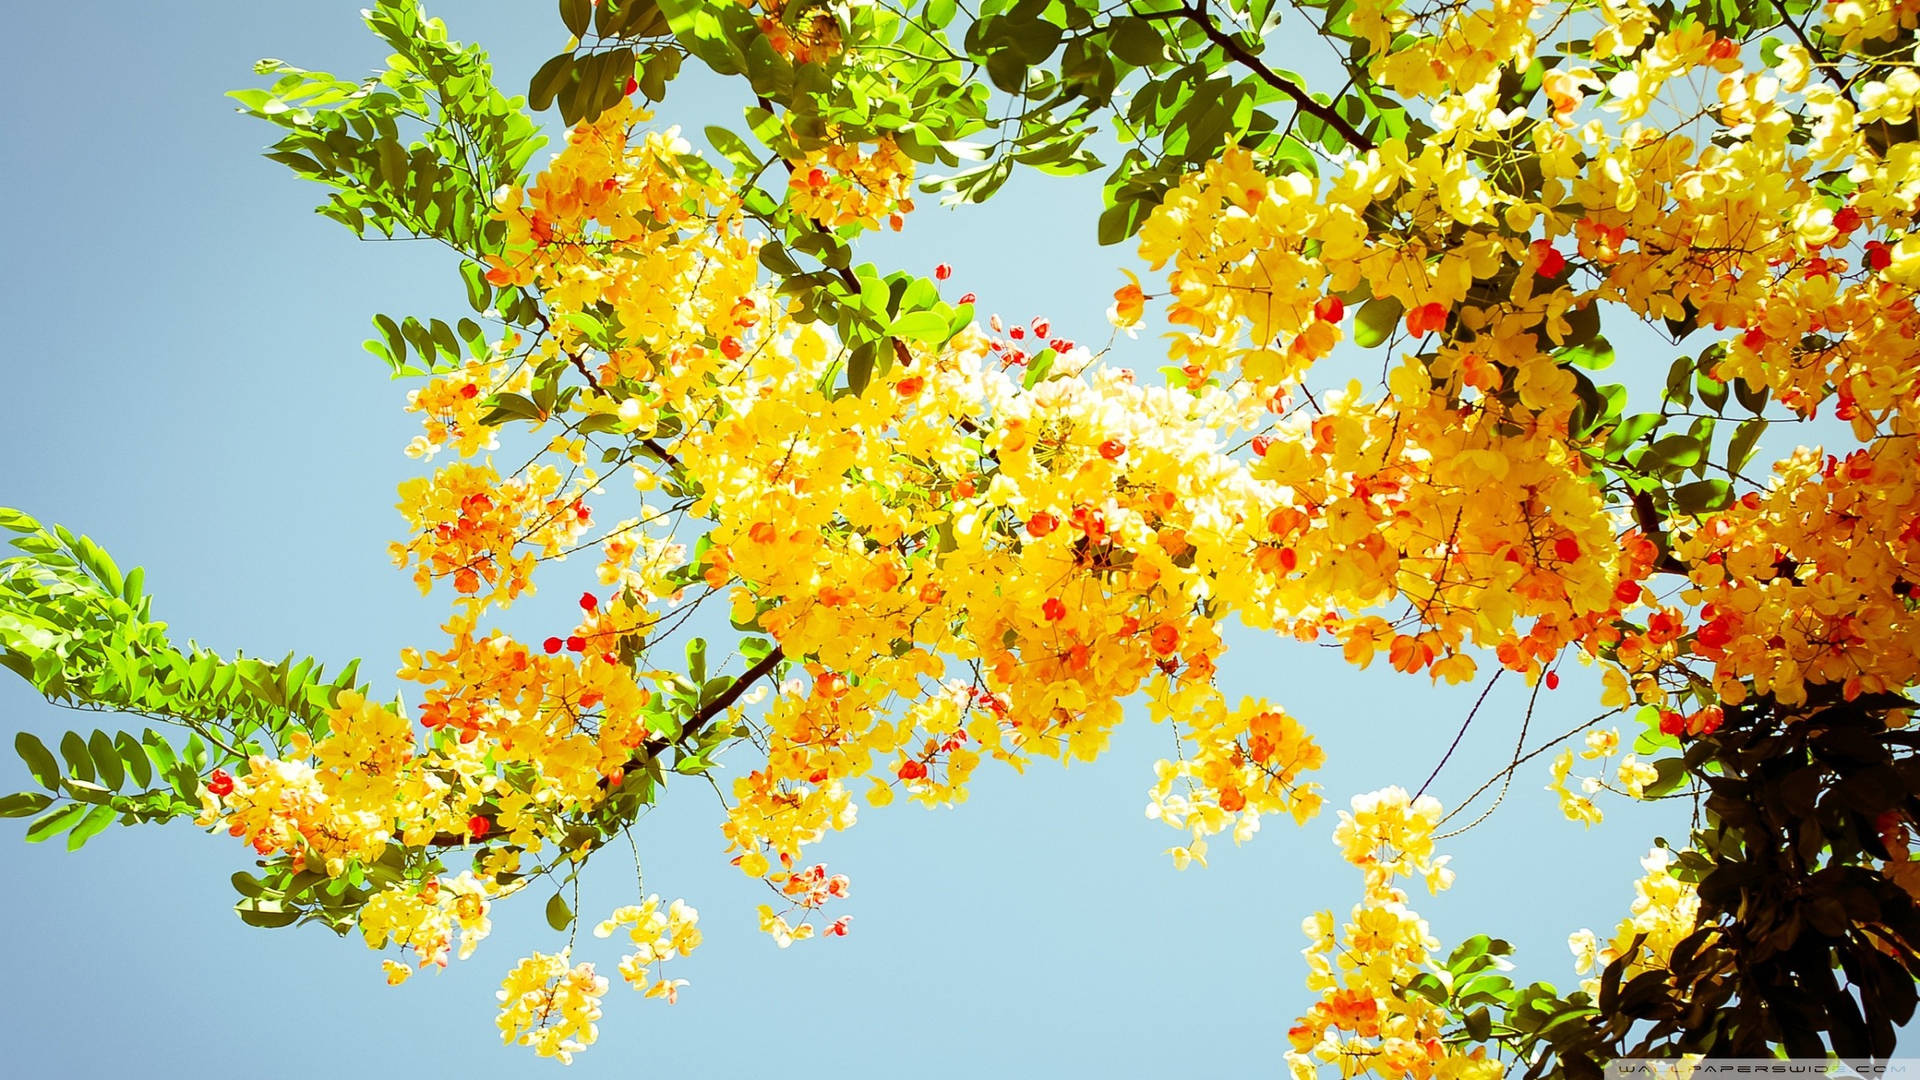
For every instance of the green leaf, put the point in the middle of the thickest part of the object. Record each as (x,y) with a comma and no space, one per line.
(106,759)
(1671,772)
(860,367)
(1038,368)
(659,69)
(578,15)
(24,804)
(925,327)
(697,660)
(1375,321)
(1632,430)
(776,258)
(39,760)
(559,915)
(1680,382)
(1746,439)
(54,821)
(1678,451)
(269,914)
(1122,219)
(196,756)
(92,825)
(74,749)
(396,343)
(1711,391)
(1137,42)
(1007,71)
(134,757)
(1593,356)
(159,751)
(547,82)
(1703,496)
(1583,325)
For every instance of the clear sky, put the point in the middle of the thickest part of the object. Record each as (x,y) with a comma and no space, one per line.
(187,386)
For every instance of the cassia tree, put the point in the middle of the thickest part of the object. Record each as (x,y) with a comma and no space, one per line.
(946,544)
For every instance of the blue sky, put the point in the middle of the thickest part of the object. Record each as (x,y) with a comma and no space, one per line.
(187,386)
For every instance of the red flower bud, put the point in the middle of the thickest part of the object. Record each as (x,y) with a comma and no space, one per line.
(1550,261)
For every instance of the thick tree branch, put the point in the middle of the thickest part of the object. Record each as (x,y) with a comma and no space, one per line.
(705,713)
(692,726)
(1648,518)
(1833,75)
(652,445)
(1197,12)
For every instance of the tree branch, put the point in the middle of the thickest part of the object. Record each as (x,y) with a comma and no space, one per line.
(1814,53)
(718,705)
(1196,10)
(691,727)
(1648,518)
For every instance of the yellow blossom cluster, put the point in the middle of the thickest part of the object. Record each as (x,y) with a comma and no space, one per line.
(485,532)
(839,184)
(1631,776)
(551,1007)
(1466,52)
(453,407)
(363,787)
(1245,762)
(424,918)
(657,936)
(1364,1020)
(1665,909)
(627,220)
(571,710)
(1813,581)
(1858,22)
(804,32)
(1787,228)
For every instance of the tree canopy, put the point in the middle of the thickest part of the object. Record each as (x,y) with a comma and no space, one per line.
(946,545)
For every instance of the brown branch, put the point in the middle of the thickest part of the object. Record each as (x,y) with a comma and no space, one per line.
(691,727)
(1833,75)
(652,445)
(1645,516)
(1196,10)
(718,705)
